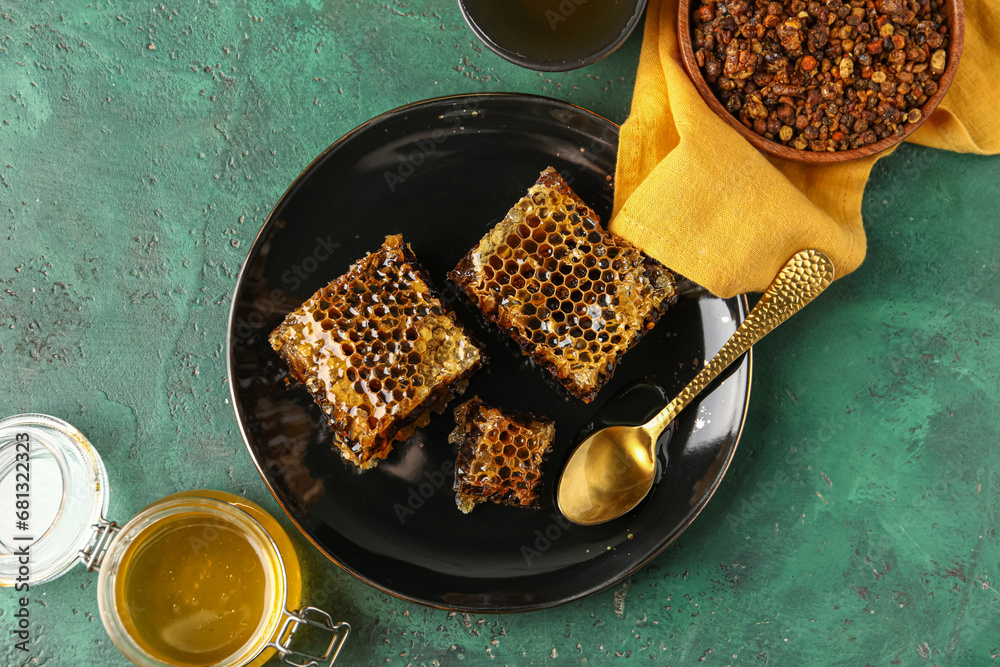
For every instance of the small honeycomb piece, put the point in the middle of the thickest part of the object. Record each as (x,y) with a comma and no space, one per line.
(500,454)
(377,350)
(574,296)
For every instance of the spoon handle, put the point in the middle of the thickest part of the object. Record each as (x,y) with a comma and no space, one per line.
(805,276)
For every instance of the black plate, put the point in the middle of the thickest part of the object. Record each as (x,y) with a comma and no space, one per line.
(442,172)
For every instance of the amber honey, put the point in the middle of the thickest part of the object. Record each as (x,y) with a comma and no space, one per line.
(378,350)
(573,295)
(195,582)
(196,578)
(500,454)
(552,30)
(194,590)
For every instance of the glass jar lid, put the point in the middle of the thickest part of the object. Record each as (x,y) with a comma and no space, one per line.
(57,485)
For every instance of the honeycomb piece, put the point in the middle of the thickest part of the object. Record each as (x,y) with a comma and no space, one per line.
(378,350)
(500,454)
(574,296)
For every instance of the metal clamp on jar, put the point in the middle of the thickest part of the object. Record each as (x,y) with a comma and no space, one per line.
(196,578)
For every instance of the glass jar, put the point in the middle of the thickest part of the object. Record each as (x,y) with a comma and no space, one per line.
(196,578)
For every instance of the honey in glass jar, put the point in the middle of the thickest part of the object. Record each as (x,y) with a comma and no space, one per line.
(196,579)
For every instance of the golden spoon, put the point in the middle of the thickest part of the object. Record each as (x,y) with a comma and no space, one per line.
(611,471)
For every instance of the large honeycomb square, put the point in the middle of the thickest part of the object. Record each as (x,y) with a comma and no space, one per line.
(574,296)
(500,454)
(377,349)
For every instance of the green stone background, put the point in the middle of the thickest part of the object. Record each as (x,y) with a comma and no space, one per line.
(141,148)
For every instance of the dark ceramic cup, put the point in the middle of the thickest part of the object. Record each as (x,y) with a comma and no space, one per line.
(552,35)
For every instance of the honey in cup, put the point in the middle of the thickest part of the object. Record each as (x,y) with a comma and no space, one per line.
(196,581)
(552,34)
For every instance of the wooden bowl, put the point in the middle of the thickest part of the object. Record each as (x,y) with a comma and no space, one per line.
(955,13)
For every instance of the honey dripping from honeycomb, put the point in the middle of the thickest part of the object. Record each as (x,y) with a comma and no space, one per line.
(500,454)
(378,350)
(574,296)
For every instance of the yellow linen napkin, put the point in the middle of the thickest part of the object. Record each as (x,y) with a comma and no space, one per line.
(695,195)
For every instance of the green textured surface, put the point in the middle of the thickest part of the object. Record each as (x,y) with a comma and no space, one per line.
(141,148)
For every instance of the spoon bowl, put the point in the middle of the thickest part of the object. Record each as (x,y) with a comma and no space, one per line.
(617,464)
(613,469)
